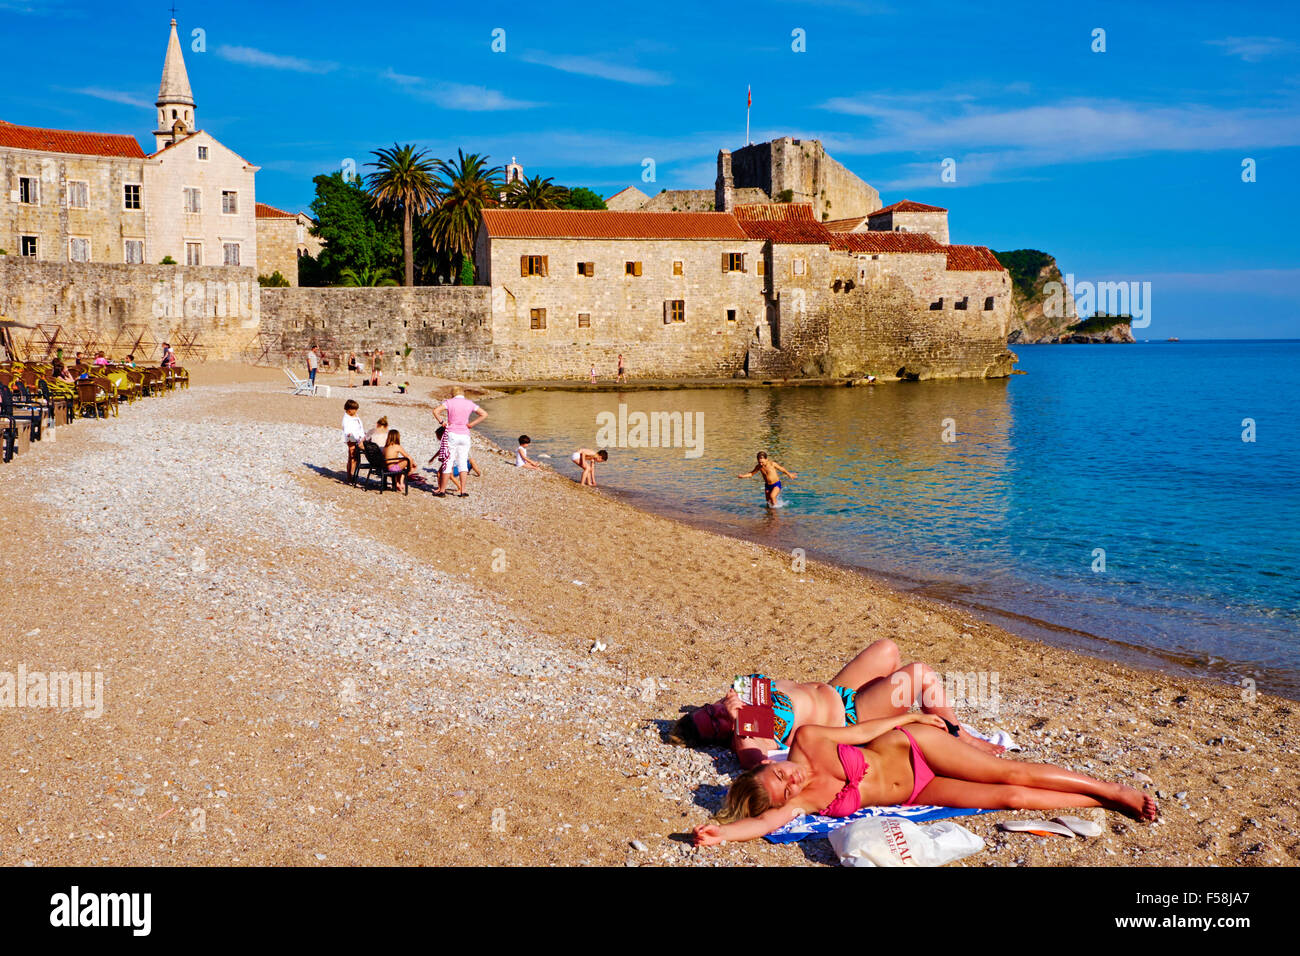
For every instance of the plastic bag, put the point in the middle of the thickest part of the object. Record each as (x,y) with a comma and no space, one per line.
(895,841)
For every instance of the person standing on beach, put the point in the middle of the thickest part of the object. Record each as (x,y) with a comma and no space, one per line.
(622,368)
(354,434)
(352,368)
(376,367)
(459,410)
(586,459)
(771,478)
(313,363)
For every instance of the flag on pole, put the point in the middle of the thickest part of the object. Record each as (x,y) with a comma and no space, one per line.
(749,97)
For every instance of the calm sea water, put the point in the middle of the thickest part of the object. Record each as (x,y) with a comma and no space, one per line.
(1134,450)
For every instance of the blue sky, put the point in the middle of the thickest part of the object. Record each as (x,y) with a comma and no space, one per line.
(1124,164)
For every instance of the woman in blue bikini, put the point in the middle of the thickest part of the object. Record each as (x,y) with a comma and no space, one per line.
(837,770)
(869,686)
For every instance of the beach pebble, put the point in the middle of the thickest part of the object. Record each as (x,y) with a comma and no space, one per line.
(1180,795)
(639,846)
(1142,778)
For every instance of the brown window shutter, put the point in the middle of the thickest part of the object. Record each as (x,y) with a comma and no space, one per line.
(545,264)
(724,262)
(762,267)
(668,312)
(523,265)
(589,269)
(742,263)
(636,269)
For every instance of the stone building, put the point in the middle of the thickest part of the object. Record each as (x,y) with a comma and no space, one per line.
(96,197)
(282,239)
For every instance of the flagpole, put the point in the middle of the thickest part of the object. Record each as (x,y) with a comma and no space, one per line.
(749,101)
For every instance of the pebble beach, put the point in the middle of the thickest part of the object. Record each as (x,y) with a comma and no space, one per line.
(301,672)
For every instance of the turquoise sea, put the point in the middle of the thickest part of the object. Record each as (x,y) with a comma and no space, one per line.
(1131,455)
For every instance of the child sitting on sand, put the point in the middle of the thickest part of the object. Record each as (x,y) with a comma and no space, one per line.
(771,477)
(521,454)
(586,459)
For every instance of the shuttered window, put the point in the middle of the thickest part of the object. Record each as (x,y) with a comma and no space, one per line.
(677,267)
(674,311)
(532,266)
(537,318)
(733,262)
(632,269)
(584,320)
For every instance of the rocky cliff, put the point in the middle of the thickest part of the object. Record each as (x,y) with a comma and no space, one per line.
(1033,321)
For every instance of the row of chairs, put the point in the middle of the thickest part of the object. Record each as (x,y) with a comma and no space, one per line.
(33,398)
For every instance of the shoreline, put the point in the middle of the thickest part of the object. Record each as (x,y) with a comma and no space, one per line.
(1026,625)
(350,680)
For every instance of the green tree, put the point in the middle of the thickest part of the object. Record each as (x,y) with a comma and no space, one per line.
(580,197)
(274,281)
(466,186)
(356,235)
(366,277)
(404,181)
(536,193)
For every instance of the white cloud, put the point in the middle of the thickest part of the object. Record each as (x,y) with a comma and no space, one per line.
(1004,142)
(114,96)
(457,96)
(1252,49)
(250,56)
(602,69)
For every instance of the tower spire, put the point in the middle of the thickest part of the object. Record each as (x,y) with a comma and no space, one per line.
(175,99)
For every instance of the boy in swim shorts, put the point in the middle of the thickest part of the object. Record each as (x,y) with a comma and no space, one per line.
(771,477)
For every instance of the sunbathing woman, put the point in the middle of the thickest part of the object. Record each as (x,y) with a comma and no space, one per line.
(395,456)
(869,686)
(837,770)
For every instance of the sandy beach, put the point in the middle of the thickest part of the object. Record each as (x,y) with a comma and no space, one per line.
(300,672)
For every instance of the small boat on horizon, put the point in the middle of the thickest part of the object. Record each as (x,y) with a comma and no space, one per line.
(1172,339)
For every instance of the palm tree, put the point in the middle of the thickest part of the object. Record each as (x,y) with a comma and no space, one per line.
(467,186)
(366,276)
(535,193)
(405,180)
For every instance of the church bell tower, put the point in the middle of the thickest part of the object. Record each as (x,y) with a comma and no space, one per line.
(175,101)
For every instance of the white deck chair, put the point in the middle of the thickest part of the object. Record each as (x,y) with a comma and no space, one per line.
(301,386)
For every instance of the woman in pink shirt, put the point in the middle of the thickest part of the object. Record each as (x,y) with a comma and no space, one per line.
(459,410)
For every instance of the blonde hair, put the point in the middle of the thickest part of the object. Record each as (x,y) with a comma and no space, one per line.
(382,423)
(746,798)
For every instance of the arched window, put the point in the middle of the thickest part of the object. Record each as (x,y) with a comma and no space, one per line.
(173,114)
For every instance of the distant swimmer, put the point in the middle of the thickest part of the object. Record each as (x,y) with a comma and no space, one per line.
(771,478)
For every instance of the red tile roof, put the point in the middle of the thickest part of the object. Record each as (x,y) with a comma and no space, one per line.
(782,223)
(973,259)
(907,205)
(885,242)
(68,141)
(263,211)
(844,225)
(604,224)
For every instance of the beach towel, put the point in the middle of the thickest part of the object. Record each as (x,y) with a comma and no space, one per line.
(816,825)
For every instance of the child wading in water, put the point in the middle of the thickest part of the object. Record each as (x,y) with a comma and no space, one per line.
(586,459)
(771,478)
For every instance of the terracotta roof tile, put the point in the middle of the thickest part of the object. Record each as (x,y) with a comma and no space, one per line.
(844,225)
(973,259)
(885,242)
(263,211)
(907,205)
(604,224)
(790,223)
(69,141)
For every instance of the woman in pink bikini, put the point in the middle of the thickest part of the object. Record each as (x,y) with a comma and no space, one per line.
(837,770)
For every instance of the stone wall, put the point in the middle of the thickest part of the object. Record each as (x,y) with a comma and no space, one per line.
(626,312)
(281,241)
(104,222)
(205,312)
(934,224)
(812,176)
(447,329)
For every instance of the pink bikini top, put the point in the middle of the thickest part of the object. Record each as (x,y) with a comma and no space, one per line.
(848,800)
